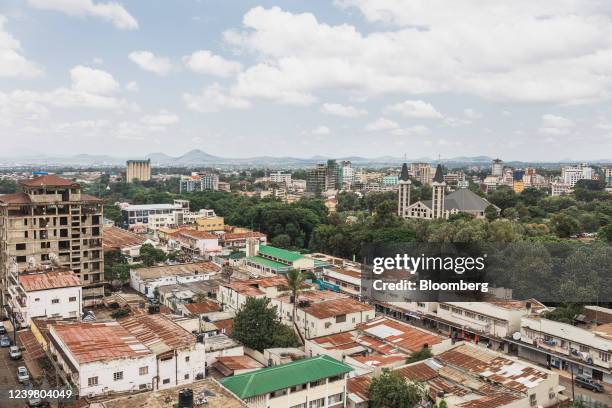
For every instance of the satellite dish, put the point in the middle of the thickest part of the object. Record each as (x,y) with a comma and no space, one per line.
(516,336)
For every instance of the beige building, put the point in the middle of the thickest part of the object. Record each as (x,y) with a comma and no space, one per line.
(51,221)
(138,170)
(315,382)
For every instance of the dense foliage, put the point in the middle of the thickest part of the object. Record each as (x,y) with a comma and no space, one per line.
(391,390)
(256,325)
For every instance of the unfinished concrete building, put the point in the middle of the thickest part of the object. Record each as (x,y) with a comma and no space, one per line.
(51,221)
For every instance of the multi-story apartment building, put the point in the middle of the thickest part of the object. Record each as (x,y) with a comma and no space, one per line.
(422,172)
(608,176)
(348,176)
(571,174)
(325,177)
(199,182)
(558,189)
(142,218)
(497,168)
(139,170)
(50,219)
(315,382)
(586,351)
(491,322)
(280,177)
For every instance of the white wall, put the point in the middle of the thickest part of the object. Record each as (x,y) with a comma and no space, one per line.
(40,303)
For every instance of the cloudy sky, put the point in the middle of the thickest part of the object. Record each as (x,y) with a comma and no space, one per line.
(521,79)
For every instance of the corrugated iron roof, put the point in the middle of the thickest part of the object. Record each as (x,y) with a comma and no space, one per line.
(337,307)
(158,332)
(48,280)
(114,238)
(98,341)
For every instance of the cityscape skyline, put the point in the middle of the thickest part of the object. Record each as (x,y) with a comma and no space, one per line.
(356,78)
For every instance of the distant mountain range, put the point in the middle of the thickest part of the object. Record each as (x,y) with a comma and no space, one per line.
(199,158)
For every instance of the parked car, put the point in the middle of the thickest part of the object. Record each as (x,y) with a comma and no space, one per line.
(588,383)
(22,375)
(2,328)
(37,402)
(15,353)
(5,341)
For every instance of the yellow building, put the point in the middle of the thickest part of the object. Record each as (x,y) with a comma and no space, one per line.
(518,186)
(210,224)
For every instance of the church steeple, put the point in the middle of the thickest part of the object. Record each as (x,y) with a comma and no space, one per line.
(437,194)
(404,174)
(403,196)
(439,177)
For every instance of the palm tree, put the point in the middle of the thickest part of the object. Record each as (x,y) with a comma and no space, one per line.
(295,283)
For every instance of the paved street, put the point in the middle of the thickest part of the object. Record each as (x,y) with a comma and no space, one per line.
(605,398)
(8,376)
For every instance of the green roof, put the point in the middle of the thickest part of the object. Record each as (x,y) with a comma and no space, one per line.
(288,256)
(267,262)
(284,376)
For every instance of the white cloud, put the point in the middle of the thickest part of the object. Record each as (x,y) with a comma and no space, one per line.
(132,86)
(472,114)
(520,59)
(163,118)
(412,130)
(111,11)
(12,61)
(90,80)
(381,124)
(555,125)
(415,109)
(346,111)
(150,62)
(205,62)
(98,61)
(213,99)
(90,88)
(321,131)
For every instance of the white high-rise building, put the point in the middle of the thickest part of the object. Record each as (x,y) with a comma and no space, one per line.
(497,168)
(347,173)
(280,177)
(438,192)
(571,174)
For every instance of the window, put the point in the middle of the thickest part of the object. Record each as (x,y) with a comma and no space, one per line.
(334,399)
(584,349)
(143,370)
(187,358)
(166,381)
(533,400)
(278,393)
(37,300)
(186,376)
(319,403)
(317,383)
(471,315)
(72,299)
(444,307)
(20,247)
(118,376)
(603,356)
(297,388)
(142,387)
(456,311)
(421,304)
(341,319)
(54,300)
(92,381)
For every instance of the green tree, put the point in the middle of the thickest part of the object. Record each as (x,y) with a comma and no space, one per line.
(491,212)
(605,233)
(296,283)
(149,255)
(391,390)
(564,225)
(256,325)
(281,241)
(423,354)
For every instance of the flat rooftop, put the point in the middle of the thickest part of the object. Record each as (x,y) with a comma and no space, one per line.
(156,272)
(140,207)
(216,395)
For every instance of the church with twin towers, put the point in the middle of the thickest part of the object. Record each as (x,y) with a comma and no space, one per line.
(441,205)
